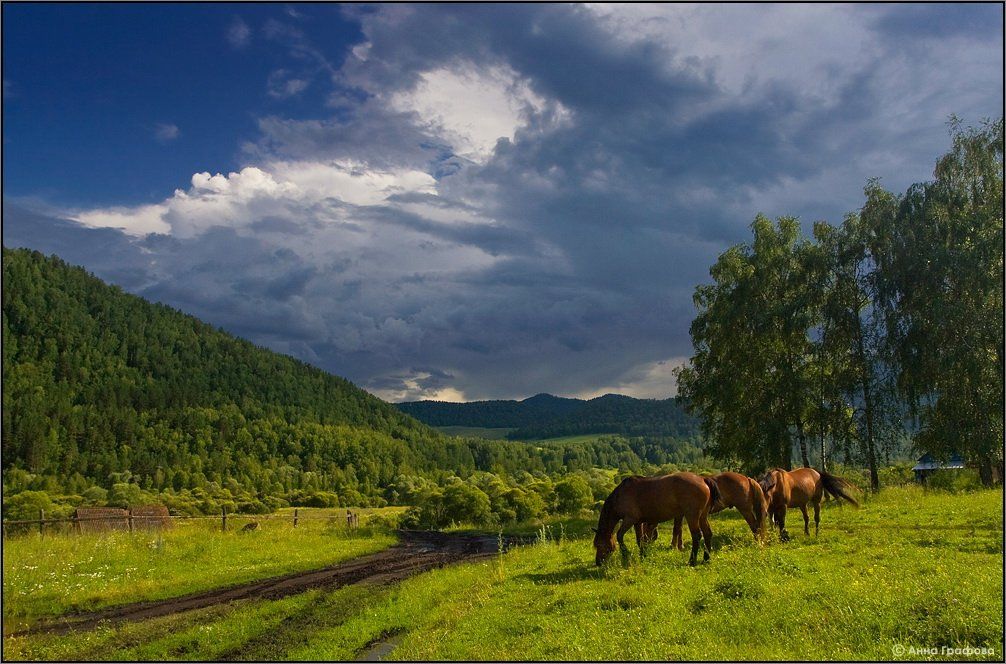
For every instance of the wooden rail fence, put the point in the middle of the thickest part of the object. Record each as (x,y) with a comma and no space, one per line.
(154,517)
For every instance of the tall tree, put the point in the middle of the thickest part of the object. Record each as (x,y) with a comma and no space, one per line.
(853,376)
(941,286)
(751,373)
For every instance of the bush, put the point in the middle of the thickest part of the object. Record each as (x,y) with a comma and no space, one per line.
(954,481)
(125,494)
(464,503)
(26,505)
(95,496)
(572,495)
(252,507)
(897,475)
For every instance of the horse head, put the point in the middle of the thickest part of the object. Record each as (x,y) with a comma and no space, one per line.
(604,545)
(768,483)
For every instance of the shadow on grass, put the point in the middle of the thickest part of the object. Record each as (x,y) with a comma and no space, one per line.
(585,572)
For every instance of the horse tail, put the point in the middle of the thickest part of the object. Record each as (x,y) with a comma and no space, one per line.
(838,487)
(757,499)
(714,491)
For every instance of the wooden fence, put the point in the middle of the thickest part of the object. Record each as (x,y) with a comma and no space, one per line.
(151,517)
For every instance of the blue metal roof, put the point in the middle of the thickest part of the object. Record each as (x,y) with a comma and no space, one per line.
(927,462)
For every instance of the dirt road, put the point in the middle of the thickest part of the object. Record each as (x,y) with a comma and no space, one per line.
(418,551)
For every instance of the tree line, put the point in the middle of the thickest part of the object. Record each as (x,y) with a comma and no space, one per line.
(886,327)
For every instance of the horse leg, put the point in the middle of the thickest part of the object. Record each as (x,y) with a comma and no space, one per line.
(707,535)
(751,519)
(806,520)
(677,541)
(624,528)
(641,540)
(817,516)
(693,526)
(780,520)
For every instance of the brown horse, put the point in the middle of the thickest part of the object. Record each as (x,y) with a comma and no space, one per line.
(796,488)
(736,490)
(652,500)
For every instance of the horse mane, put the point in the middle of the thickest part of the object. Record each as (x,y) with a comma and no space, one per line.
(609,503)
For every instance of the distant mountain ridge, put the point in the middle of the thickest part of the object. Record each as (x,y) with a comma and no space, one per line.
(549,416)
(493,414)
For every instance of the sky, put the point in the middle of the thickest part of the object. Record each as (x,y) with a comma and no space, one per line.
(464,202)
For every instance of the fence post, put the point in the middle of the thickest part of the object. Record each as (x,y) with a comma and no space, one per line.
(41,521)
(129,518)
(223,517)
(76,524)
(294,517)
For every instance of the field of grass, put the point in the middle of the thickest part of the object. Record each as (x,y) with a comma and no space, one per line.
(476,432)
(910,570)
(579,438)
(52,575)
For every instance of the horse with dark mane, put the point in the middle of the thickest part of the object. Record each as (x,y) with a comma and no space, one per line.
(797,488)
(652,500)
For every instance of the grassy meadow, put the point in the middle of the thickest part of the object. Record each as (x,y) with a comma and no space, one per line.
(912,569)
(57,574)
(476,432)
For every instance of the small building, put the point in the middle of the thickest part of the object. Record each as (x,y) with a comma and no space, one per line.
(927,464)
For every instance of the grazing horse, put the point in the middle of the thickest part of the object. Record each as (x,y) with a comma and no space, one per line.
(652,500)
(796,488)
(739,491)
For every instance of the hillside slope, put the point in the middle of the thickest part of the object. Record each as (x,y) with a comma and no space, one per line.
(106,391)
(97,381)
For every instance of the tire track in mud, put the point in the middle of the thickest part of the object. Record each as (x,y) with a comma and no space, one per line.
(418,551)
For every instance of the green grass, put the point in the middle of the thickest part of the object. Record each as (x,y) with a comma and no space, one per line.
(911,568)
(52,575)
(476,432)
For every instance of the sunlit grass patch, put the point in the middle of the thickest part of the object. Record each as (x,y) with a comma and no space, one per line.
(52,575)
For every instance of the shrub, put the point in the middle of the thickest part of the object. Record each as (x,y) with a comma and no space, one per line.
(125,494)
(26,505)
(95,495)
(954,481)
(572,495)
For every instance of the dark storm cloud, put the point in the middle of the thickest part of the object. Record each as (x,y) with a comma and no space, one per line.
(564,258)
(942,20)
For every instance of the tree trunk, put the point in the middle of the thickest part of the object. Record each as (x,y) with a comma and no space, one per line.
(803,444)
(985,470)
(871,453)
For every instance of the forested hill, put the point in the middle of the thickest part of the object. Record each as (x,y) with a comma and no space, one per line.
(547,416)
(110,399)
(90,371)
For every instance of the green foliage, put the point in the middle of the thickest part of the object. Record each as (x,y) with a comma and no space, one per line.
(750,375)
(954,480)
(899,309)
(941,287)
(572,495)
(26,505)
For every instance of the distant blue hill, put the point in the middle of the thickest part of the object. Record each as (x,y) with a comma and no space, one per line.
(548,416)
